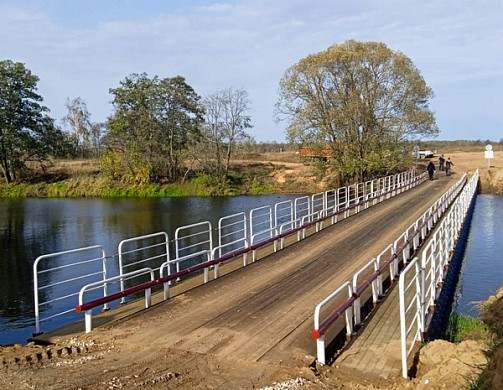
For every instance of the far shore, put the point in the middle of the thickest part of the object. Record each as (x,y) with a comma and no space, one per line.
(257,174)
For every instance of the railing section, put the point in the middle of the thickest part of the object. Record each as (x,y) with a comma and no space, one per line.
(73,268)
(193,247)
(386,264)
(149,250)
(429,273)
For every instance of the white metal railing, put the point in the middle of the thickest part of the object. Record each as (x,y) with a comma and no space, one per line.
(196,257)
(232,235)
(390,257)
(348,311)
(376,287)
(193,244)
(154,252)
(261,223)
(302,208)
(283,213)
(192,241)
(91,263)
(429,273)
(90,286)
(318,204)
(410,310)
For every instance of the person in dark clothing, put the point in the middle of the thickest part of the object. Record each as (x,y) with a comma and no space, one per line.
(448,165)
(441,161)
(431,169)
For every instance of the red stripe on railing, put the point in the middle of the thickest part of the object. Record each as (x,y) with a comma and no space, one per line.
(227,256)
(325,324)
(112,297)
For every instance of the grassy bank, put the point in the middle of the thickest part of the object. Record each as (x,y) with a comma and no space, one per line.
(249,175)
(488,330)
(96,186)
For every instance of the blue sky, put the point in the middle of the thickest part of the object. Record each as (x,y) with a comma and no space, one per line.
(83,48)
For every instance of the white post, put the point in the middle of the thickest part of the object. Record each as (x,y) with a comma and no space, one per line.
(88,320)
(403,329)
(320,349)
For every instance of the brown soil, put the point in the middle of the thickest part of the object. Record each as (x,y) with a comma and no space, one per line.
(493,317)
(251,328)
(248,329)
(294,175)
(491,179)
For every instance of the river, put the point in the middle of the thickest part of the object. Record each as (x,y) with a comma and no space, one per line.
(482,267)
(33,227)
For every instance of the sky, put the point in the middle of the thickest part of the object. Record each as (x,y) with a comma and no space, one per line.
(83,48)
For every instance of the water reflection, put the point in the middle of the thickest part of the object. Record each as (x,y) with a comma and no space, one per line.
(482,269)
(32,227)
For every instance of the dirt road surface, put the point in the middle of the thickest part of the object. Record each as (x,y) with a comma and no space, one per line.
(249,329)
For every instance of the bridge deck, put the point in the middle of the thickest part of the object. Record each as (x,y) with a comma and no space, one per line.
(263,313)
(376,350)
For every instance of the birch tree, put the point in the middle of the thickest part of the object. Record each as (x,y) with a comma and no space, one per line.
(226,122)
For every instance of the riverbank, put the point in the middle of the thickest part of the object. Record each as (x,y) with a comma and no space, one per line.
(260,175)
(87,186)
(474,361)
(491,178)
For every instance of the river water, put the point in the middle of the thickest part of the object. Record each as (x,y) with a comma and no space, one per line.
(482,267)
(33,227)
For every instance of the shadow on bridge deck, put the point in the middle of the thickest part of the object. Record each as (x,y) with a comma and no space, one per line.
(262,313)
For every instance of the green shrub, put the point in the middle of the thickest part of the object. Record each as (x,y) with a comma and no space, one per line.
(462,327)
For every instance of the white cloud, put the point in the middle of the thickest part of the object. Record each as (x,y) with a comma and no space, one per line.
(250,44)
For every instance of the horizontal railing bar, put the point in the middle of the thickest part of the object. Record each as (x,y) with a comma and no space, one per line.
(145,248)
(70,265)
(115,296)
(144,260)
(69,280)
(59,299)
(56,315)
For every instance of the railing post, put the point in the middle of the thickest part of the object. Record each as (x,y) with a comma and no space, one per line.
(422,295)
(88,320)
(320,349)
(148,297)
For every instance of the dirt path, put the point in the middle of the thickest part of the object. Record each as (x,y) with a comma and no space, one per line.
(245,330)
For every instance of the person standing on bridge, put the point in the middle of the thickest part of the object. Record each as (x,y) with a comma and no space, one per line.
(448,165)
(431,169)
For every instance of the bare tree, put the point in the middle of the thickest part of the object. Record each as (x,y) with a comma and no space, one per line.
(79,119)
(227,121)
(213,127)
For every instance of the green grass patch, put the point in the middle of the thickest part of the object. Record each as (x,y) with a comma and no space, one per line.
(93,186)
(462,327)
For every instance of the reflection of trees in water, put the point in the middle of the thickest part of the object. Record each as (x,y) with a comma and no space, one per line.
(32,227)
(21,241)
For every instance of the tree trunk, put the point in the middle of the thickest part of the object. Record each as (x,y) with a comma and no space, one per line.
(170,157)
(6,171)
(229,148)
(219,158)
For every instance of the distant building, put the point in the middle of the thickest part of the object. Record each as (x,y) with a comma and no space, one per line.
(323,154)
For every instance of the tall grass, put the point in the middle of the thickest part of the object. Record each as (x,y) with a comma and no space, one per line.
(462,327)
(86,185)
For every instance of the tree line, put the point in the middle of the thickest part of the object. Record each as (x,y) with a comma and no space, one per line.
(159,130)
(364,101)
